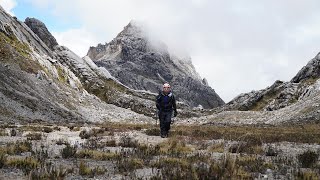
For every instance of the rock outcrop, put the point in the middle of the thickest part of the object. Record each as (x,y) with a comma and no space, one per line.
(280,94)
(309,72)
(144,64)
(40,29)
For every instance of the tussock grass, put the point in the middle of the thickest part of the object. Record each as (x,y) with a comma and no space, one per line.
(175,147)
(69,151)
(85,170)
(218,147)
(126,165)
(308,159)
(34,136)
(25,164)
(3,132)
(16,148)
(253,135)
(86,134)
(97,155)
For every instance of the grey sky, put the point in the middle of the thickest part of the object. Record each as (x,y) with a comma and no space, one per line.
(238,46)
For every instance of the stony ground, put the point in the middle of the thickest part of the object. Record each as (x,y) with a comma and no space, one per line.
(135,151)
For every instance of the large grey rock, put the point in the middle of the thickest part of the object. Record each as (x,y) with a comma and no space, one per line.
(144,64)
(309,72)
(40,29)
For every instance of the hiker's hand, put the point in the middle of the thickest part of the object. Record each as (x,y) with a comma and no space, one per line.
(175,113)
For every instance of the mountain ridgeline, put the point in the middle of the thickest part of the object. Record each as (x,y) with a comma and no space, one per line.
(144,64)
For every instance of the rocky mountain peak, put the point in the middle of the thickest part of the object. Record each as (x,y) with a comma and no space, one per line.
(143,62)
(134,28)
(40,29)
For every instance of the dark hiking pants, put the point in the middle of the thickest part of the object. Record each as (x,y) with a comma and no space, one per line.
(165,121)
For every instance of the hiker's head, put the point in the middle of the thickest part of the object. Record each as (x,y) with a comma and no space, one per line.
(166,88)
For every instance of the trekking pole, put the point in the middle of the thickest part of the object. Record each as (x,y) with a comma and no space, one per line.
(156,117)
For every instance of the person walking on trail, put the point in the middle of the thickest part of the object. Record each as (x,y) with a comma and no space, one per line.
(166,105)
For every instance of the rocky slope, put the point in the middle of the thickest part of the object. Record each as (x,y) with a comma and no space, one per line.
(280,94)
(144,64)
(297,101)
(42,81)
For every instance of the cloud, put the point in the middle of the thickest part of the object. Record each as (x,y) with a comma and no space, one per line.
(8,5)
(238,46)
(76,39)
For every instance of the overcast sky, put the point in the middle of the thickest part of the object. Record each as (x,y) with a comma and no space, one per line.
(238,46)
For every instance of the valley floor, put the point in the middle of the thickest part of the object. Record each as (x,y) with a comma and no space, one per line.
(135,151)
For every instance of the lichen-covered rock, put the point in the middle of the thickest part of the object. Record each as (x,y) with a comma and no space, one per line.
(144,64)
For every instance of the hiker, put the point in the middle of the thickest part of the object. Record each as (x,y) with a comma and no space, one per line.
(166,105)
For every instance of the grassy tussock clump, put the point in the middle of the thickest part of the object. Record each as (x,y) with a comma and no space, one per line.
(204,167)
(61,142)
(174,147)
(69,151)
(50,172)
(3,132)
(218,147)
(97,155)
(308,174)
(153,132)
(25,164)
(17,148)
(85,170)
(86,134)
(129,164)
(3,159)
(127,141)
(308,159)
(251,163)
(34,136)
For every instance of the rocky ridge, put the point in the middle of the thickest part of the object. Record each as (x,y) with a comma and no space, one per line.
(280,94)
(42,81)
